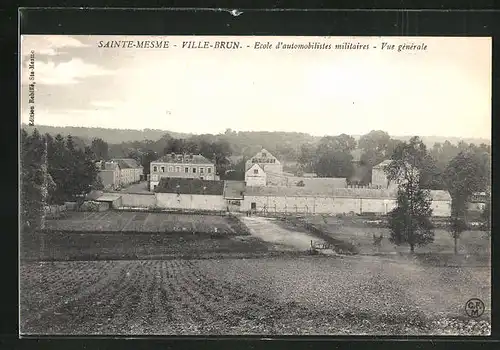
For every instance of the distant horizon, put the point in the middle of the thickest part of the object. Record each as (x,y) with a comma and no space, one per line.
(444,88)
(280,131)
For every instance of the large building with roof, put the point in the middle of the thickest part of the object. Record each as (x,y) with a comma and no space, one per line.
(269,163)
(190,194)
(185,166)
(130,170)
(334,201)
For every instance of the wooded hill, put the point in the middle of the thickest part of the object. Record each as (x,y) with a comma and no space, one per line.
(238,140)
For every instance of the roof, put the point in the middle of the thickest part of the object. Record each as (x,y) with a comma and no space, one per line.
(334,192)
(256,165)
(108,197)
(234,189)
(383,164)
(190,186)
(184,158)
(440,195)
(110,166)
(126,163)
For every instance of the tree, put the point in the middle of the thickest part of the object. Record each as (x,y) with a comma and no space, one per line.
(146,159)
(307,157)
(464,175)
(333,156)
(410,221)
(486,217)
(100,149)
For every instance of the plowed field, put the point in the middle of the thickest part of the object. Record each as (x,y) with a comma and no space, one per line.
(273,296)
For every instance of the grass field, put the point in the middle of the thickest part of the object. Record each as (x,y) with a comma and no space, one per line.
(308,295)
(354,231)
(140,222)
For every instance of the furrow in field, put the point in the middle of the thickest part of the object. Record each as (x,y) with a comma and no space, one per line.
(39,320)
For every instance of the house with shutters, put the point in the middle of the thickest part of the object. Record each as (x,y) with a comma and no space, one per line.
(185,166)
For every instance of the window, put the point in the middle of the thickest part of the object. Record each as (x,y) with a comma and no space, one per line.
(264,155)
(255,171)
(170,169)
(194,170)
(162,169)
(201,177)
(155,169)
(177,169)
(209,170)
(154,187)
(253,205)
(186,170)
(201,170)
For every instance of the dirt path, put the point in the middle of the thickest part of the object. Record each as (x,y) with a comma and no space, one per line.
(284,239)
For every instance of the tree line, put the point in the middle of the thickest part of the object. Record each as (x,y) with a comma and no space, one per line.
(53,171)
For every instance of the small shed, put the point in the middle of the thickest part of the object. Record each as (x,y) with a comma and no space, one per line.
(114,200)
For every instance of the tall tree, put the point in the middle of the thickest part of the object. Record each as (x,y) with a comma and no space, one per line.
(100,149)
(146,159)
(410,221)
(464,175)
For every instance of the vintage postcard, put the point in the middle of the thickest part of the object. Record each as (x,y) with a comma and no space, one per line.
(245,185)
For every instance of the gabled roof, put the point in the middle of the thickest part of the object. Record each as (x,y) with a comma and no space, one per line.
(184,158)
(255,165)
(190,186)
(126,163)
(268,155)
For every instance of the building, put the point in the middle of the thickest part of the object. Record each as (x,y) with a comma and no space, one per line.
(255,176)
(130,170)
(268,162)
(184,166)
(335,201)
(190,194)
(234,194)
(109,173)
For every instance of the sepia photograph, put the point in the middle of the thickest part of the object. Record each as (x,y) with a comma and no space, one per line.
(254,185)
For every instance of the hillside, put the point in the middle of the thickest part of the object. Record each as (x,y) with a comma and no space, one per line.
(242,142)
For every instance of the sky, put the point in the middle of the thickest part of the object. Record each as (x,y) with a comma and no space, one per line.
(444,90)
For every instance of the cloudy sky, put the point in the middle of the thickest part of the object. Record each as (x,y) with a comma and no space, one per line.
(445,90)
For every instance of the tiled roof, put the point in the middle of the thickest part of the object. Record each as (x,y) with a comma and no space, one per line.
(234,189)
(126,163)
(183,158)
(110,166)
(190,186)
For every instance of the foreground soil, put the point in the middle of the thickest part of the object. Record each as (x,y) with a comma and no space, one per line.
(271,296)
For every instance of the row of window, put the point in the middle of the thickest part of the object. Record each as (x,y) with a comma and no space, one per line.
(257,160)
(178,169)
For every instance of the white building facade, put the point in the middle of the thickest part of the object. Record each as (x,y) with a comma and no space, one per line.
(181,166)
